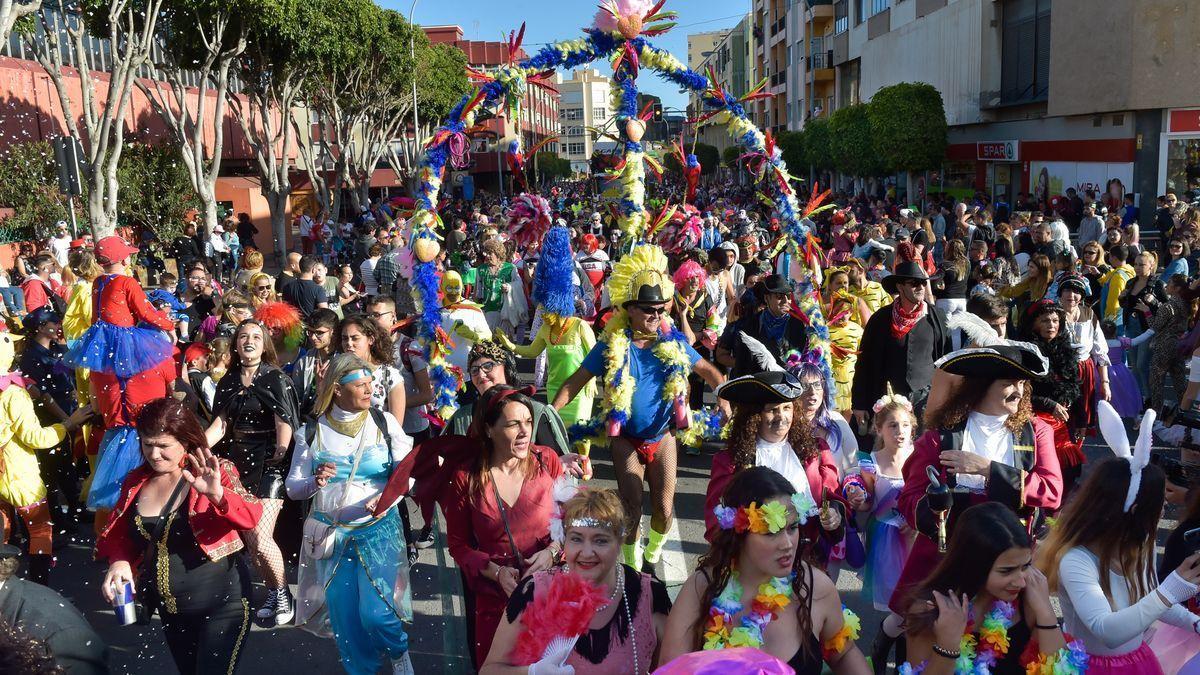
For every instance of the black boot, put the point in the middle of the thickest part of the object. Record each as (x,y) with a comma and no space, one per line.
(39,569)
(880,650)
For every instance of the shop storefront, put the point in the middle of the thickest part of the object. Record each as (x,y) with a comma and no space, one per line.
(1179,154)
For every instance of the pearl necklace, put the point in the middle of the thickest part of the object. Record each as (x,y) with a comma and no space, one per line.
(619,586)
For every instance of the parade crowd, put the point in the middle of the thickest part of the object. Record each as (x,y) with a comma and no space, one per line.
(272,448)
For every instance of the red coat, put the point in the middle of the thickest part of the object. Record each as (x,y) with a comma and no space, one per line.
(1041,486)
(822,475)
(217,527)
(122,302)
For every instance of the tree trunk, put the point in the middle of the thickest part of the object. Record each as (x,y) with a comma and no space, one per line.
(11,11)
(277,200)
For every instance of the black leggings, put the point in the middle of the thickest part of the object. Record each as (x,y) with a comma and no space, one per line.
(210,642)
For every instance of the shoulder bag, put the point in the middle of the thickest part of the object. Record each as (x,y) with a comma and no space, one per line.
(318,539)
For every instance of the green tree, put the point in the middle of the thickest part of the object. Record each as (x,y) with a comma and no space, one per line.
(709,156)
(730,155)
(11,12)
(157,187)
(792,145)
(29,186)
(852,146)
(816,144)
(552,167)
(908,124)
(441,84)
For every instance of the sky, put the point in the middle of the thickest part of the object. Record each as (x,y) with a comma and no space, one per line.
(553,20)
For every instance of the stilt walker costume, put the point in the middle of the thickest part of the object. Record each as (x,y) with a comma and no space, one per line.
(130,358)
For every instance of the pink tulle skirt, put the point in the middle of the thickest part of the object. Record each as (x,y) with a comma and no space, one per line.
(1140,661)
(1177,649)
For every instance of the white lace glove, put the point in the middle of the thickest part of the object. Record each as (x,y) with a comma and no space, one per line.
(1176,589)
(554,658)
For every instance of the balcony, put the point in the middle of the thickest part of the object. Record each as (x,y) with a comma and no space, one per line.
(819,11)
(820,67)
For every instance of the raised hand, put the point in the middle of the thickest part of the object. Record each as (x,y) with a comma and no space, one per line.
(203,474)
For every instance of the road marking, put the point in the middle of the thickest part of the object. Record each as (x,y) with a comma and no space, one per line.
(674,562)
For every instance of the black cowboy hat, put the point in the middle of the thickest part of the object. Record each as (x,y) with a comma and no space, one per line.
(776,283)
(762,388)
(1012,361)
(646,294)
(904,271)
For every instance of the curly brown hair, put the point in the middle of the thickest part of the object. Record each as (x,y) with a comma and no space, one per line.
(743,436)
(962,399)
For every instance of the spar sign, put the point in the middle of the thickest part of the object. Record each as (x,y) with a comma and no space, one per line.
(998,151)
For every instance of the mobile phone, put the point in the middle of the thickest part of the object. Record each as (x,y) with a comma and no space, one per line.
(1191,539)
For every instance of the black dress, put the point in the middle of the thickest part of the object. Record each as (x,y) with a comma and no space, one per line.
(249,414)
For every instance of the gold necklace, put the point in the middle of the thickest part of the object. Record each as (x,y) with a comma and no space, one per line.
(349,427)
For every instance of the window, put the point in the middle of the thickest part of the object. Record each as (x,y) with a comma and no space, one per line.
(865,9)
(574,131)
(841,16)
(1025,52)
(851,77)
(599,114)
(570,113)
(575,148)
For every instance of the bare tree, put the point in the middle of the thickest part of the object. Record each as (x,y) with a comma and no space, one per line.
(12,11)
(206,39)
(129,26)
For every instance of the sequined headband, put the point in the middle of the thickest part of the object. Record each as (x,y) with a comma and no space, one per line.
(354,375)
(588,521)
(766,519)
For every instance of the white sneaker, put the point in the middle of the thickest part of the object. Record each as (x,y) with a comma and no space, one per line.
(402,665)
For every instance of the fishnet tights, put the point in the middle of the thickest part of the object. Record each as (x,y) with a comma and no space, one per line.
(268,559)
(661,476)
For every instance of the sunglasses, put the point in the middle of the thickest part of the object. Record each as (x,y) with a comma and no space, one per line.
(652,310)
(485,367)
(262,288)
(378,315)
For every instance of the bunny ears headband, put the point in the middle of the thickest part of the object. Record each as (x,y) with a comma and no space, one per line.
(1113,431)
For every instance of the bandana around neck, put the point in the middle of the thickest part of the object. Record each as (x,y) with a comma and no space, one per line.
(903,320)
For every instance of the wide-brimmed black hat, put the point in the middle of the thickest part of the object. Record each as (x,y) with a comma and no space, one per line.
(762,388)
(776,283)
(646,294)
(1011,361)
(904,271)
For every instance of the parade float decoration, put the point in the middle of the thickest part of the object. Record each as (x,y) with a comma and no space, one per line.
(621,33)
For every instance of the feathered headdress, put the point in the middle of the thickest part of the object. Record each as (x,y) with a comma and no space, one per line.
(645,265)
(554,277)
(529,219)
(1113,431)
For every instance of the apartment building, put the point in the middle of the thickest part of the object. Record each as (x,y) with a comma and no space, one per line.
(732,61)
(1036,101)
(701,45)
(584,104)
(539,110)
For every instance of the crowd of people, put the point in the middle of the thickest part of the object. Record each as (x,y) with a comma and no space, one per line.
(218,424)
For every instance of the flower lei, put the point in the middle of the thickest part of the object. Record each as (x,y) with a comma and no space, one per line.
(766,519)
(720,632)
(836,644)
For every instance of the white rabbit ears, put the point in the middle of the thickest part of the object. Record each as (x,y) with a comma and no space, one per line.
(1112,428)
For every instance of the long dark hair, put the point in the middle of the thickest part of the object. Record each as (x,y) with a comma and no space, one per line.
(1095,517)
(381,342)
(981,534)
(743,436)
(756,484)
(487,411)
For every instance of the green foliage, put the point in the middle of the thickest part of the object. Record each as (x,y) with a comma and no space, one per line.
(29,186)
(815,142)
(908,124)
(852,144)
(156,192)
(792,145)
(551,166)
(442,79)
(730,155)
(709,158)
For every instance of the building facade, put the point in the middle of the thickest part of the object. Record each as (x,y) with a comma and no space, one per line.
(732,62)
(584,107)
(539,111)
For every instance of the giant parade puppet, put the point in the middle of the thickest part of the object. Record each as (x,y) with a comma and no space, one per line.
(621,34)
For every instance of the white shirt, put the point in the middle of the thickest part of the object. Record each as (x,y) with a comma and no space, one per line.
(782,458)
(987,437)
(1109,625)
(367,271)
(60,248)
(1088,341)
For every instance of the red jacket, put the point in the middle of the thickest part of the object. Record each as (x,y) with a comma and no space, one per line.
(216,526)
(822,475)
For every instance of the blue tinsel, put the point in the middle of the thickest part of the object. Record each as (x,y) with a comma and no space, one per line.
(554,276)
(630,146)
(629,94)
(693,161)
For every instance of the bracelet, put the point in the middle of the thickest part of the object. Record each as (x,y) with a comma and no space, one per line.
(1053,626)
(946,653)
